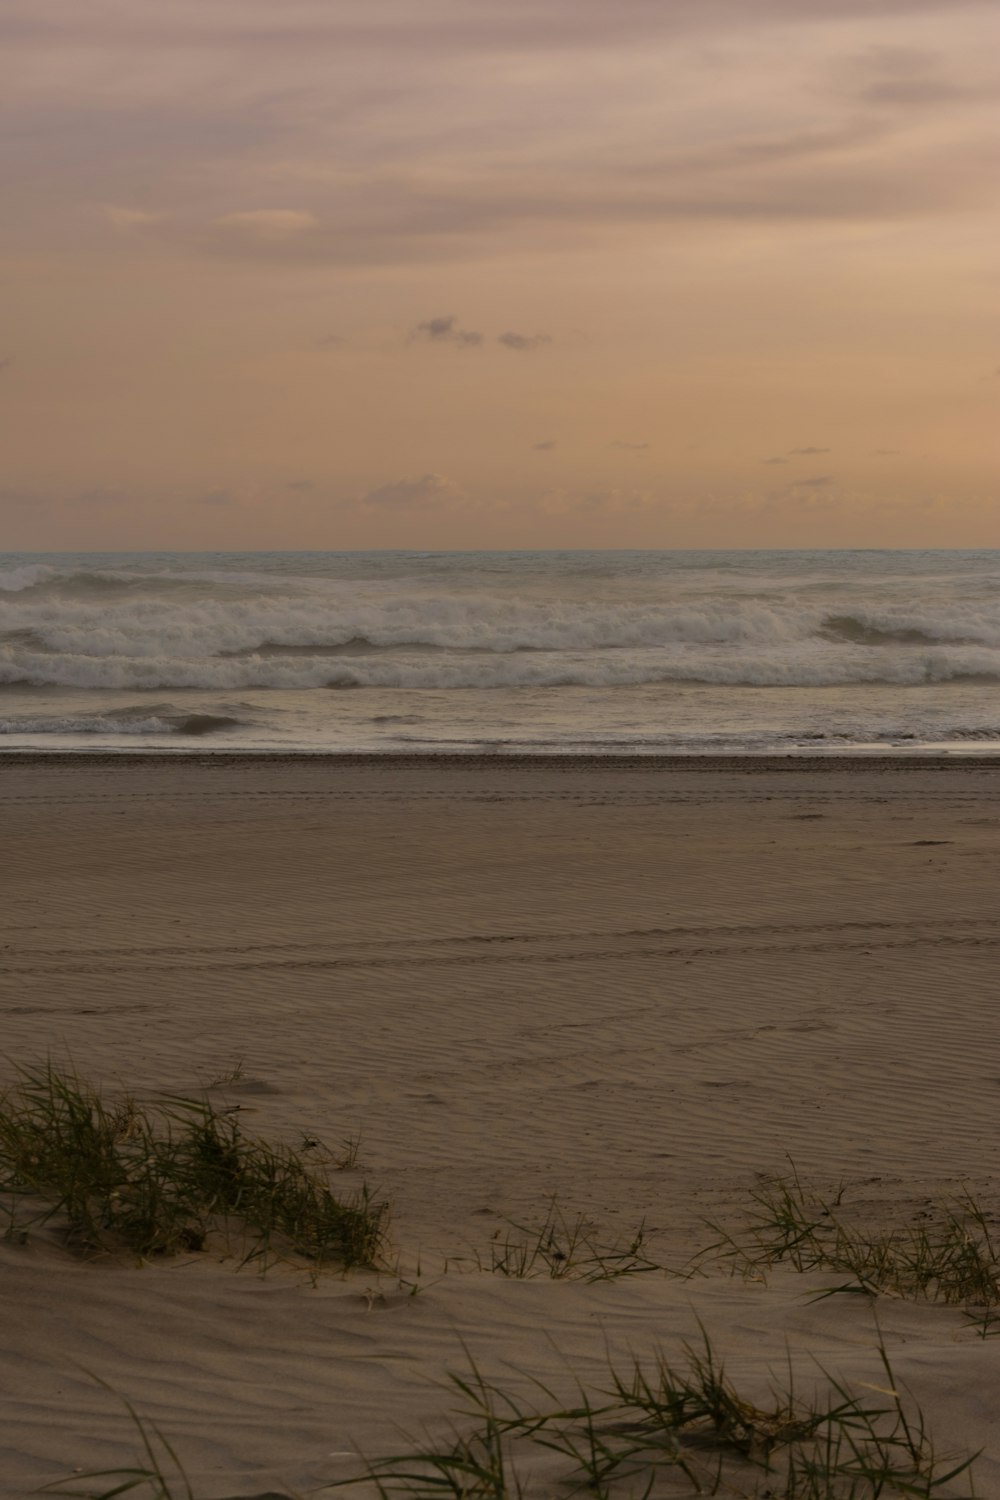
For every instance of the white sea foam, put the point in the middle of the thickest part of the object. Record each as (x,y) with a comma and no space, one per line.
(25,576)
(147,624)
(116,724)
(821,668)
(641,648)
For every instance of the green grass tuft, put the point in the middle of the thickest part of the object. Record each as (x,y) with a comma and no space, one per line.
(690,1428)
(565,1250)
(158,1181)
(951,1258)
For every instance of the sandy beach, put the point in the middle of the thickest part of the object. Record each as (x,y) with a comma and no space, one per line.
(631,986)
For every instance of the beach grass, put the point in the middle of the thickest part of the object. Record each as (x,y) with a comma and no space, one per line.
(679,1429)
(565,1248)
(177,1176)
(113,1174)
(952,1256)
(659,1428)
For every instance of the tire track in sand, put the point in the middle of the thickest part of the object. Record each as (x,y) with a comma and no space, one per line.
(967,932)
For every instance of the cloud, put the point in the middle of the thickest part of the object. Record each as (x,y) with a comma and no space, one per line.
(6,363)
(391,206)
(814,482)
(884,452)
(267,225)
(523,340)
(806,452)
(629,447)
(905,76)
(428,491)
(449,29)
(300,485)
(545,447)
(447,331)
(390,133)
(911,91)
(774,460)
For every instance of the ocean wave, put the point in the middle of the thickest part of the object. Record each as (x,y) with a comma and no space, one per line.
(25,576)
(123,723)
(145,626)
(829,667)
(348,620)
(214,627)
(865,630)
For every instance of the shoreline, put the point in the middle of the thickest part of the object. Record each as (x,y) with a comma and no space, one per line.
(368,759)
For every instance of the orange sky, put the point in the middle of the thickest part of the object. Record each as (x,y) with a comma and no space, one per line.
(354,273)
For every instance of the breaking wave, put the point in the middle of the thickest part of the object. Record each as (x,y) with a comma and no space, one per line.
(535,670)
(203,616)
(139,722)
(103,643)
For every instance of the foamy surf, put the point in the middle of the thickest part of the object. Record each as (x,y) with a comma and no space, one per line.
(539,650)
(141,722)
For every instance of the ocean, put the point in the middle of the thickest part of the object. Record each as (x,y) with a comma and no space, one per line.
(619,652)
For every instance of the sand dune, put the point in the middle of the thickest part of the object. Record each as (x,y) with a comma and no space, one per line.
(631,986)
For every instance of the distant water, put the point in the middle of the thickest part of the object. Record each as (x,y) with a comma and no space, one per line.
(597,652)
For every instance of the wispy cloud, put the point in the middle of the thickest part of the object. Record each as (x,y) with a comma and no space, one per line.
(446,330)
(437,157)
(450,29)
(416,494)
(445,148)
(907,76)
(524,341)
(806,452)
(216,499)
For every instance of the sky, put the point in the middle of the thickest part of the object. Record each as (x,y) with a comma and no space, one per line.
(499,273)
